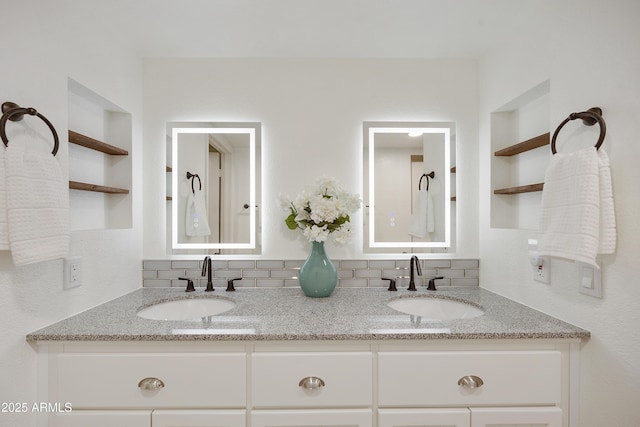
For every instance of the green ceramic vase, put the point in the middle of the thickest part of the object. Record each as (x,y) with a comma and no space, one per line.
(318,276)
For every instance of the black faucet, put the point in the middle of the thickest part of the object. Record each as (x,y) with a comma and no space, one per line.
(413,264)
(206,269)
(230,287)
(190,287)
(392,284)
(432,283)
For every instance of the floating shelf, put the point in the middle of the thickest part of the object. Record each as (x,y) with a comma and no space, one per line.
(529,144)
(103,147)
(94,144)
(75,185)
(520,189)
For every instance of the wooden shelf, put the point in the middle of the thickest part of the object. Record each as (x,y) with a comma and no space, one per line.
(75,185)
(453,198)
(453,169)
(94,144)
(530,144)
(521,189)
(169,198)
(169,169)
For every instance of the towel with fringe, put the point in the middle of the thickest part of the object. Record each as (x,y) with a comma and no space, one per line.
(197,223)
(578,216)
(37,203)
(4,225)
(422,221)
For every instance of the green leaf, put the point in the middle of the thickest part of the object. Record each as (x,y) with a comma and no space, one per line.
(291,222)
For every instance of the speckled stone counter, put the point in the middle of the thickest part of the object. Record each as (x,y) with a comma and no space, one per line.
(287,314)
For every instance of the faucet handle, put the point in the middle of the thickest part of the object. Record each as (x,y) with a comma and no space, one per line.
(230,287)
(432,283)
(190,287)
(392,284)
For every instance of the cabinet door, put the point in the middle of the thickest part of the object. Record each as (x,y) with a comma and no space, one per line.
(516,417)
(424,417)
(102,419)
(310,417)
(198,418)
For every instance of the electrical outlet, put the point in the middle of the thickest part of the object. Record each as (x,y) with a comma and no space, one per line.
(541,271)
(72,272)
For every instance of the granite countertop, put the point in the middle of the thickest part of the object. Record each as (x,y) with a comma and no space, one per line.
(287,314)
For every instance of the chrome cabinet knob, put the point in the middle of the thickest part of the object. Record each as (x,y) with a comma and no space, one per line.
(151,384)
(470,381)
(311,383)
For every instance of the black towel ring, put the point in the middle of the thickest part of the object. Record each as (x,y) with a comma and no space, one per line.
(431,174)
(589,118)
(191,176)
(15,113)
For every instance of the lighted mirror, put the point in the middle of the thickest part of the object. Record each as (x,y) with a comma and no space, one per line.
(407,186)
(215,187)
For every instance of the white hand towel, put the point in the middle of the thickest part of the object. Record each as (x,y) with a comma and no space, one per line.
(4,226)
(37,203)
(422,218)
(578,221)
(197,223)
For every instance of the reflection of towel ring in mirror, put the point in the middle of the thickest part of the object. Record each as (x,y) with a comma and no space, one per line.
(15,113)
(431,174)
(589,118)
(191,176)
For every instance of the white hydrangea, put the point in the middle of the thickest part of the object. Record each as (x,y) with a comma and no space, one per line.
(321,210)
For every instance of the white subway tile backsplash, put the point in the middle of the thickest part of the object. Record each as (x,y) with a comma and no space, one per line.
(279,273)
(156,265)
(269,264)
(353,264)
(185,264)
(170,274)
(464,263)
(242,264)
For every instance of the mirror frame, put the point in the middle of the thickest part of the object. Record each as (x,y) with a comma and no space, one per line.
(253,130)
(369,131)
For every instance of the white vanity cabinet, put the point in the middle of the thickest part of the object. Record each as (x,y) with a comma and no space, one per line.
(506,388)
(312,388)
(471,417)
(421,383)
(141,386)
(155,418)
(101,418)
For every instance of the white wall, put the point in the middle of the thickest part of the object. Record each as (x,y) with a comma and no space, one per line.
(311,112)
(589,52)
(43,46)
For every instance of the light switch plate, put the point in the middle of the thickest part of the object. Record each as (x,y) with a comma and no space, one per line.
(589,280)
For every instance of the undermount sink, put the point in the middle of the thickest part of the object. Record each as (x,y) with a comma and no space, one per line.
(435,308)
(186,309)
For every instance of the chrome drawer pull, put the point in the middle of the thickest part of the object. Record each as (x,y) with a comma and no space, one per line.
(311,383)
(470,381)
(151,384)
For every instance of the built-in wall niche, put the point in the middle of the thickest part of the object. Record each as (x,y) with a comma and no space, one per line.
(520,154)
(100,135)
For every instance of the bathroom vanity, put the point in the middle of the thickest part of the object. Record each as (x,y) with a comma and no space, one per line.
(278,358)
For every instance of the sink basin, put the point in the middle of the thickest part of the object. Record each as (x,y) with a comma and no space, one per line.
(435,308)
(186,309)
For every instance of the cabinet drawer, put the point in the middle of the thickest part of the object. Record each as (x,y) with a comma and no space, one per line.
(190,380)
(431,378)
(278,379)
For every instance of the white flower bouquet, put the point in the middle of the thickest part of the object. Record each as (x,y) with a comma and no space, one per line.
(321,210)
